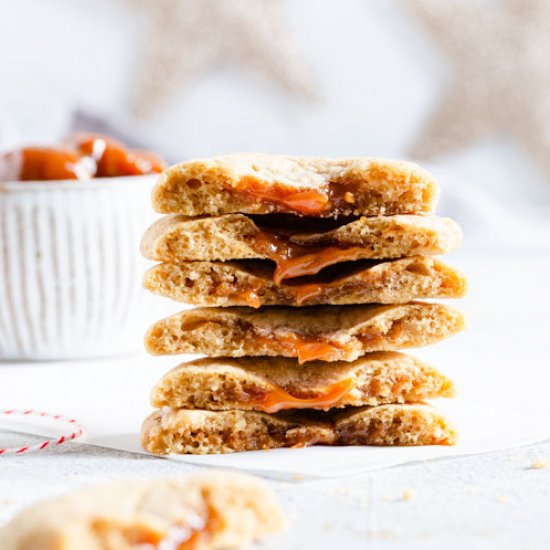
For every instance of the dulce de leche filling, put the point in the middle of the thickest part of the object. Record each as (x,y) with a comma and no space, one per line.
(304,202)
(293,260)
(278,399)
(306,348)
(306,292)
(303,291)
(189,535)
(310,202)
(81,156)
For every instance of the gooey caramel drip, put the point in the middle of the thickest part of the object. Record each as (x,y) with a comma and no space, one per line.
(278,399)
(293,260)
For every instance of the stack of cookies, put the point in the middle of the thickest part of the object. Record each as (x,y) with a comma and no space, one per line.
(308,272)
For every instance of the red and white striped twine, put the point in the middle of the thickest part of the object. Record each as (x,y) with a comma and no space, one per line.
(78,431)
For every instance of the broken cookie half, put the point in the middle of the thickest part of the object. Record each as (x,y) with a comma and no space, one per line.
(184,431)
(327,333)
(255,183)
(250,283)
(273,384)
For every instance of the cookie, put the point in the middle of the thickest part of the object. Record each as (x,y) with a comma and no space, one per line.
(254,183)
(208,511)
(183,431)
(327,333)
(250,283)
(273,384)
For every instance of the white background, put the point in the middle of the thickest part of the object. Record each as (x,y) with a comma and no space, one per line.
(377,71)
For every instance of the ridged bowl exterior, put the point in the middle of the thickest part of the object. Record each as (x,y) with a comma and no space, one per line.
(70,268)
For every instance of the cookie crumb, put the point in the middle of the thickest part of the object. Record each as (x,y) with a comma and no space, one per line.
(540,463)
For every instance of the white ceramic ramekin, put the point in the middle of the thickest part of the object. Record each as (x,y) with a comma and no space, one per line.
(70,268)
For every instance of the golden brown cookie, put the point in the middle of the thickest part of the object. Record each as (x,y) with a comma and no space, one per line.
(406,424)
(327,333)
(298,247)
(182,431)
(255,183)
(273,384)
(209,511)
(250,283)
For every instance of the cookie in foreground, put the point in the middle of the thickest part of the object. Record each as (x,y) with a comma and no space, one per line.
(256,183)
(327,333)
(211,510)
(299,246)
(250,283)
(183,431)
(272,384)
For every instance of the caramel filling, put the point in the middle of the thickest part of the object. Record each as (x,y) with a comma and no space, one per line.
(305,290)
(312,263)
(278,399)
(190,535)
(294,260)
(307,202)
(312,349)
(318,437)
(81,156)
(305,348)
(251,297)
(305,293)
(310,289)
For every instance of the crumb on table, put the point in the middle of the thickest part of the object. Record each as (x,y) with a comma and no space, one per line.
(540,463)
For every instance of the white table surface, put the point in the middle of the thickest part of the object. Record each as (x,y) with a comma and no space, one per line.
(491,501)
(495,501)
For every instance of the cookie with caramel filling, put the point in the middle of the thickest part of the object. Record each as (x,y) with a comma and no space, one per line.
(250,283)
(254,183)
(273,384)
(326,333)
(183,431)
(298,247)
(208,511)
